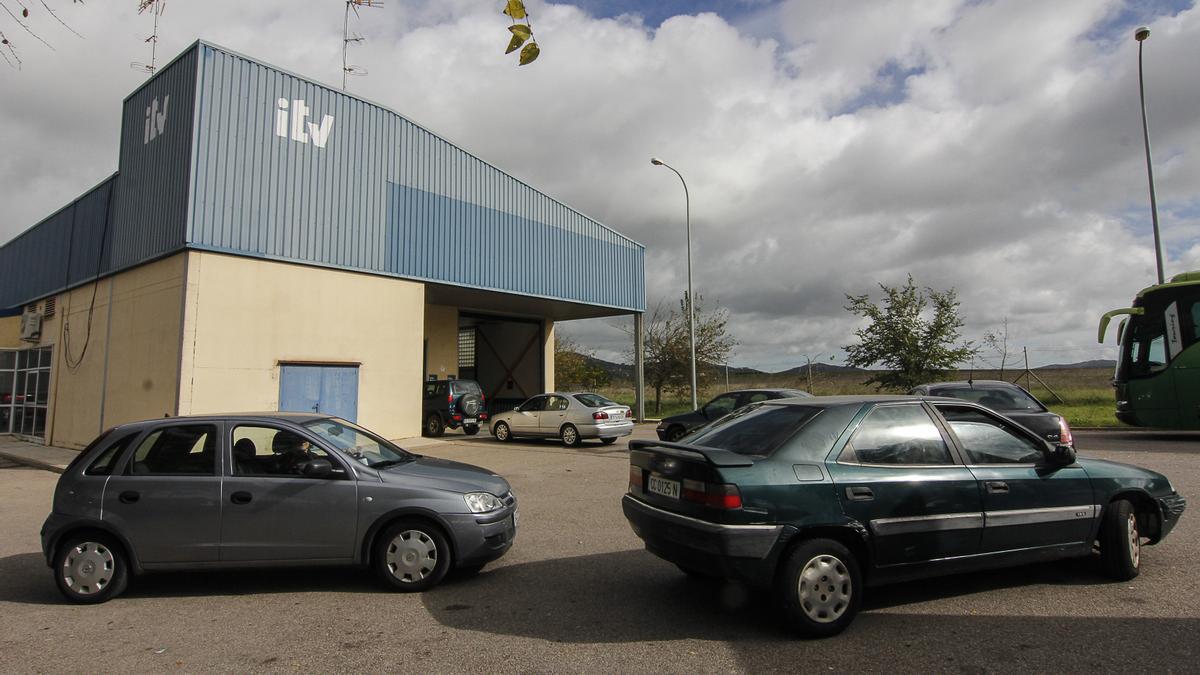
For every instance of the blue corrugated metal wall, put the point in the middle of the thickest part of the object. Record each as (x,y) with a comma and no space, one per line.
(202,164)
(383,195)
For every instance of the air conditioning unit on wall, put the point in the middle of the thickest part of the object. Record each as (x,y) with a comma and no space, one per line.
(31,326)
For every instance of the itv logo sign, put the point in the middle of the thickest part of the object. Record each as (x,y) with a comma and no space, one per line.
(298,128)
(156,120)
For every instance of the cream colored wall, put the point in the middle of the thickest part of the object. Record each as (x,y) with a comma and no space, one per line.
(130,369)
(10,332)
(441,341)
(245,316)
(548,354)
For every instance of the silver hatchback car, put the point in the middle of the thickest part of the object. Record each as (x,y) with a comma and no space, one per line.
(572,417)
(254,490)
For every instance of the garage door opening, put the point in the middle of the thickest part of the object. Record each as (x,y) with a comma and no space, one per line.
(504,355)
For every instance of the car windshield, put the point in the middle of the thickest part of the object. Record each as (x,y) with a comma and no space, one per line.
(359,443)
(1010,400)
(459,387)
(594,400)
(755,429)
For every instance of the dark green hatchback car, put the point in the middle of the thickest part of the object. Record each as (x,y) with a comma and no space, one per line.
(818,498)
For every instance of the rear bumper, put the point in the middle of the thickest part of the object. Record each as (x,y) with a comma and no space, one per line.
(744,552)
(1170,509)
(606,430)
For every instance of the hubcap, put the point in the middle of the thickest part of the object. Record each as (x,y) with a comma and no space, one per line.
(88,568)
(432,423)
(502,432)
(411,556)
(1135,541)
(569,435)
(824,589)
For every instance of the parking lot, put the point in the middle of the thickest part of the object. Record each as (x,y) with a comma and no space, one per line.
(578,593)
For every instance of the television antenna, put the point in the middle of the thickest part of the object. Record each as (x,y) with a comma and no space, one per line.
(355,38)
(156,8)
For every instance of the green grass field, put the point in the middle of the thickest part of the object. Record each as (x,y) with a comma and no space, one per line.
(1087,396)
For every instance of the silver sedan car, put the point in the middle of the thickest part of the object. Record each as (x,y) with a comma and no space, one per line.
(569,416)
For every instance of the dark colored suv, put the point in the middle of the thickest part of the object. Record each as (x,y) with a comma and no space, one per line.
(450,404)
(818,498)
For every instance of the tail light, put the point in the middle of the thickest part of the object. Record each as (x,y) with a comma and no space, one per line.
(715,495)
(599,415)
(635,478)
(628,413)
(457,418)
(449,398)
(1064,432)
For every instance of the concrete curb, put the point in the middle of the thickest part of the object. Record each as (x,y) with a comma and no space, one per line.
(30,462)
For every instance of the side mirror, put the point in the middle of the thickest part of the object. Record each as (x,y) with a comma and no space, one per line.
(517,409)
(1061,455)
(317,468)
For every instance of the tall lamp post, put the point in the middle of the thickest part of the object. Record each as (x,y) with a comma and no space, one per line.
(1140,35)
(687,211)
(810,368)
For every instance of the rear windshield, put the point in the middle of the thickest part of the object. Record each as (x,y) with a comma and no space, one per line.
(1012,400)
(459,387)
(594,400)
(754,429)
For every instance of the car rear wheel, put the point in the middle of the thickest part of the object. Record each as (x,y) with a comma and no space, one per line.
(820,587)
(501,432)
(675,433)
(90,569)
(470,429)
(570,435)
(1120,541)
(412,555)
(434,425)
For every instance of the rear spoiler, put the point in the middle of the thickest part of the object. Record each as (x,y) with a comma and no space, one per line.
(714,456)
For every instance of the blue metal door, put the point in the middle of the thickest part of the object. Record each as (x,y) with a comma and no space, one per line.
(332,390)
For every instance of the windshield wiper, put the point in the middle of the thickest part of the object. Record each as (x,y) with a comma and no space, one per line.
(393,462)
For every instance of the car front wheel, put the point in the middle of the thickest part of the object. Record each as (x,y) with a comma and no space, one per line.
(412,555)
(820,587)
(1120,541)
(501,432)
(90,569)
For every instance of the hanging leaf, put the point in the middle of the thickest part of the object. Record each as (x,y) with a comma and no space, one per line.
(514,44)
(529,53)
(521,30)
(515,9)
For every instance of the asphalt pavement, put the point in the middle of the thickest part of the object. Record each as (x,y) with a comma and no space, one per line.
(577,593)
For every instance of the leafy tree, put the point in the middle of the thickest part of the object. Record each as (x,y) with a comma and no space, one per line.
(914,334)
(575,367)
(668,352)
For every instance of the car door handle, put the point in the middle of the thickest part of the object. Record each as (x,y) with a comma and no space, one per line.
(241,497)
(859,494)
(997,487)
(129,497)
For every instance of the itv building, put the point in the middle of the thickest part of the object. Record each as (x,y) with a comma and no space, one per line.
(269,243)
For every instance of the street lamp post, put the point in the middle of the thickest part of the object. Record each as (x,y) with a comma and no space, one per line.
(1140,35)
(687,210)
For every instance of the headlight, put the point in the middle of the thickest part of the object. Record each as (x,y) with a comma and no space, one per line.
(482,502)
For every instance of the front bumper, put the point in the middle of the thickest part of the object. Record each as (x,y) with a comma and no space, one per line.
(745,552)
(1170,509)
(482,538)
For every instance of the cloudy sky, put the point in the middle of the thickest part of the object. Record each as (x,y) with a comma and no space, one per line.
(993,147)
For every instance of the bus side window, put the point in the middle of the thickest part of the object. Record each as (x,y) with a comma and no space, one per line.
(1147,346)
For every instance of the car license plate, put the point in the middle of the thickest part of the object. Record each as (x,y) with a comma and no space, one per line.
(617,415)
(664,487)
(469,420)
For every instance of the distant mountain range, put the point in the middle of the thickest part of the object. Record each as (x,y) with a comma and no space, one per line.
(625,371)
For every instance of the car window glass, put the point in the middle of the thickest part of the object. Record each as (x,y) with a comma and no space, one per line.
(358,443)
(106,461)
(459,387)
(534,404)
(899,434)
(267,451)
(556,403)
(988,440)
(994,397)
(180,450)
(594,400)
(759,396)
(754,430)
(720,405)
(430,389)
